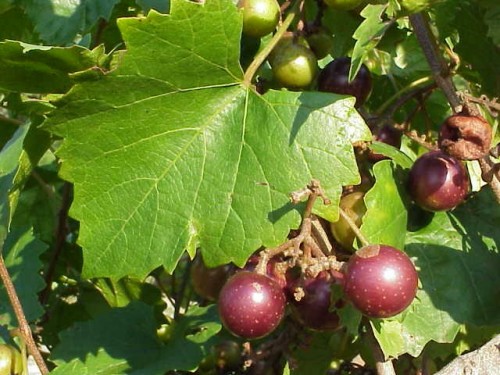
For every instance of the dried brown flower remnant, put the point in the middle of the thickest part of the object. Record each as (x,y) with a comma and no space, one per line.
(465,137)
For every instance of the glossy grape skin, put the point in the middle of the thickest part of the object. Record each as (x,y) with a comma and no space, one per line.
(293,63)
(251,305)
(313,309)
(335,78)
(380,281)
(438,182)
(260,17)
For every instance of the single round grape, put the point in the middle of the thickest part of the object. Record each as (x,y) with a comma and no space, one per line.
(438,182)
(380,281)
(251,305)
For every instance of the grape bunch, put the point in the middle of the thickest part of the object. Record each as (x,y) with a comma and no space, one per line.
(294,285)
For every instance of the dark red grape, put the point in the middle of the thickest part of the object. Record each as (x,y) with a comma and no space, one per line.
(380,281)
(313,309)
(389,135)
(335,78)
(251,305)
(438,182)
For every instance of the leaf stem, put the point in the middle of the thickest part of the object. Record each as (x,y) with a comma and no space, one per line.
(262,55)
(24,327)
(413,89)
(354,227)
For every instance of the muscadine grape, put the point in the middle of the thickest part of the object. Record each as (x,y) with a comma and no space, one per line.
(389,135)
(437,181)
(313,309)
(335,78)
(251,305)
(293,63)
(380,281)
(260,17)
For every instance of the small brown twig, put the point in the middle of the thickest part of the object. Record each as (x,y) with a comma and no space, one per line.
(24,327)
(311,253)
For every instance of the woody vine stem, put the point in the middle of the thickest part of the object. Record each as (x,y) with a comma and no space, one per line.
(442,76)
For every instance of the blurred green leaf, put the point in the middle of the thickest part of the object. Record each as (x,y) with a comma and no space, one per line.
(59,22)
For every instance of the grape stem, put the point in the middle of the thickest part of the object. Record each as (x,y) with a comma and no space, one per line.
(262,55)
(354,227)
(313,257)
(441,73)
(24,327)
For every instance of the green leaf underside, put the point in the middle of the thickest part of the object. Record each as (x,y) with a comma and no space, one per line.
(170,151)
(386,216)
(124,340)
(21,254)
(458,262)
(41,69)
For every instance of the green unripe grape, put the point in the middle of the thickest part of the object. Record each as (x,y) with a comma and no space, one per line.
(354,206)
(293,63)
(260,17)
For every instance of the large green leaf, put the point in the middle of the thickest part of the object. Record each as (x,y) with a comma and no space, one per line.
(124,340)
(457,255)
(171,150)
(21,253)
(59,21)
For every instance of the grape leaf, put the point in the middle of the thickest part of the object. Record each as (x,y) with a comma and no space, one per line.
(161,6)
(385,219)
(367,35)
(59,22)
(492,19)
(171,151)
(395,154)
(124,340)
(458,261)
(40,69)
(21,253)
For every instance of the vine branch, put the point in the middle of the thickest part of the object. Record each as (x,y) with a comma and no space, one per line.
(24,327)
(442,76)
